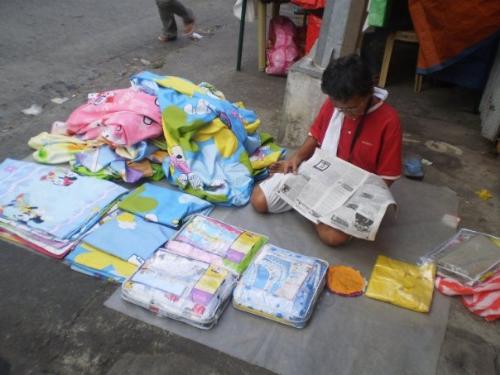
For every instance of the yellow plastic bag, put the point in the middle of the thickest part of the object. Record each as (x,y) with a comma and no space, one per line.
(402,284)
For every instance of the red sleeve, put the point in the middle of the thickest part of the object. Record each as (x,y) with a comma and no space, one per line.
(389,160)
(320,123)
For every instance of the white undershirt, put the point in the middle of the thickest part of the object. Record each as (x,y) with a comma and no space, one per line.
(332,136)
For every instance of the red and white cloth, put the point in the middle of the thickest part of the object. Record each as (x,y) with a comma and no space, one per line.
(482,299)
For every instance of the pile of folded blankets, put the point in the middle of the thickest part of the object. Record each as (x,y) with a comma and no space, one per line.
(164,127)
(50,208)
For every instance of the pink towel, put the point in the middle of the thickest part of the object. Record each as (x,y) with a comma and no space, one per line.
(123,117)
(482,299)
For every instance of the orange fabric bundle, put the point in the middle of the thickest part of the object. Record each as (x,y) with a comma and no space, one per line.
(345,281)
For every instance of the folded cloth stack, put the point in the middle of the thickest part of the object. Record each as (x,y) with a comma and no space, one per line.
(180,288)
(281,285)
(212,241)
(98,159)
(165,206)
(127,237)
(49,208)
(115,249)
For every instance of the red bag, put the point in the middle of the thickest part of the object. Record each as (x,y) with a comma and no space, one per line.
(282,49)
(310,4)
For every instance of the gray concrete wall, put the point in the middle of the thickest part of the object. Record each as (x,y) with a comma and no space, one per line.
(490,103)
(303,99)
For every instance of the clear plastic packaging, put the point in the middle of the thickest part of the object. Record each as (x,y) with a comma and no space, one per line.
(469,256)
(281,285)
(212,241)
(180,288)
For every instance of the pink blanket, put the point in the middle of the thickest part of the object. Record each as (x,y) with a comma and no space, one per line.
(123,117)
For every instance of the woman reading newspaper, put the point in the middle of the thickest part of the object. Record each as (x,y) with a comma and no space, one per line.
(354,124)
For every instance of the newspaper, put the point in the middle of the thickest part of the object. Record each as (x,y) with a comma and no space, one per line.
(332,191)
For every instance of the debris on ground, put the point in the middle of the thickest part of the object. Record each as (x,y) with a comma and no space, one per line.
(484,194)
(34,110)
(443,147)
(59,100)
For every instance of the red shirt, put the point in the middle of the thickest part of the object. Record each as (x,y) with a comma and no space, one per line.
(378,147)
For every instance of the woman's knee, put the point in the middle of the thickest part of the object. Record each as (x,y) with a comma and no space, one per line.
(331,236)
(258,200)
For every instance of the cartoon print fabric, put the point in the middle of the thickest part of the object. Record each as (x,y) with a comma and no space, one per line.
(213,148)
(209,139)
(281,285)
(122,117)
(180,288)
(52,201)
(163,205)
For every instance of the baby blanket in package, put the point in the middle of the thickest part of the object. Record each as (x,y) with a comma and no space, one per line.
(184,289)
(209,240)
(281,285)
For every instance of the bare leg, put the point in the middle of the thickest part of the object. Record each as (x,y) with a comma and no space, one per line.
(331,236)
(258,200)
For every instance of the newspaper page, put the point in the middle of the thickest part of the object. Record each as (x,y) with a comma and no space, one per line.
(334,192)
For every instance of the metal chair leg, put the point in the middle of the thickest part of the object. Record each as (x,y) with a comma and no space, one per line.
(241,35)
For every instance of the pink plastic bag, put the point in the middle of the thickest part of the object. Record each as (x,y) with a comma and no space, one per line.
(282,49)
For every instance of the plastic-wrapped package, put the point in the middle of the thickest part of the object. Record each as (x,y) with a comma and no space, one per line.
(282,49)
(281,285)
(211,241)
(402,284)
(180,288)
(469,256)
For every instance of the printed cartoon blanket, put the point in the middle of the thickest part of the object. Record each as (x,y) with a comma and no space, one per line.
(209,139)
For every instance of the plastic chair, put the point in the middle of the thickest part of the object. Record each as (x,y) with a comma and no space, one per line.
(402,36)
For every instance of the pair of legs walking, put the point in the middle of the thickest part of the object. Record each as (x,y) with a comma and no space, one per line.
(168,9)
(264,199)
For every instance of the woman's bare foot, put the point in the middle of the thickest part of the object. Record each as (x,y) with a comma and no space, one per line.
(164,38)
(188,28)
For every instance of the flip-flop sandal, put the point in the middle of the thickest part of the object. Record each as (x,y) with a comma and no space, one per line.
(413,168)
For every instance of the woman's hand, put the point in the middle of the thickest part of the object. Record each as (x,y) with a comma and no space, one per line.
(286,166)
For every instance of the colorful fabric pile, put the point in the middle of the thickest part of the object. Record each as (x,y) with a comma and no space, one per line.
(281,285)
(209,139)
(160,126)
(49,208)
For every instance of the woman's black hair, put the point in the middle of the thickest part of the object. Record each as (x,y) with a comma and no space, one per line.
(347,77)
